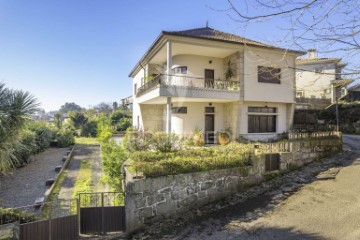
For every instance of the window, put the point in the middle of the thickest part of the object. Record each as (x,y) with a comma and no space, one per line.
(209,109)
(180,70)
(318,69)
(262,109)
(261,124)
(269,74)
(272,162)
(135,88)
(327,91)
(179,110)
(262,119)
(299,94)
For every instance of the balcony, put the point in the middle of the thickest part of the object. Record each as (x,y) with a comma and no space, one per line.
(190,87)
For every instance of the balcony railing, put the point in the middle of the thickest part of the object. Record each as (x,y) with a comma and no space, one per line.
(127,101)
(165,80)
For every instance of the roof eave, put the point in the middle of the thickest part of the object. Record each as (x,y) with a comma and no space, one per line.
(138,65)
(318,62)
(300,53)
(165,33)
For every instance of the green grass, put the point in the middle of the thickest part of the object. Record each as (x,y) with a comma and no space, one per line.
(86,140)
(83,180)
(54,193)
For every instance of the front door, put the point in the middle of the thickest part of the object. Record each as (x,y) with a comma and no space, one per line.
(209,78)
(209,128)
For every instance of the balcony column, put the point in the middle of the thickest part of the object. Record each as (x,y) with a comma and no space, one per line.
(168,115)
(168,59)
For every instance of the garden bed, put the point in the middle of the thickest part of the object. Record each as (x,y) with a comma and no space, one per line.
(151,164)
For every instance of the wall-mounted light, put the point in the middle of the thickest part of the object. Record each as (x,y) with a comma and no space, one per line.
(210,61)
(210,104)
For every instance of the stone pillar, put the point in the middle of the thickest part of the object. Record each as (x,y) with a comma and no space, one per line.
(168,115)
(290,109)
(168,59)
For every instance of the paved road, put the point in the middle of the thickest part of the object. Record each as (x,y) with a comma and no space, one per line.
(319,210)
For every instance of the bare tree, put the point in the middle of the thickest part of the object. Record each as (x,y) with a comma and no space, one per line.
(330,25)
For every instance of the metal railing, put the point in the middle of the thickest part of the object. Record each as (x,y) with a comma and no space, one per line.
(101,199)
(186,81)
(127,101)
(293,136)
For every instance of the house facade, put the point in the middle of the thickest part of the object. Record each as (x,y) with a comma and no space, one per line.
(351,94)
(209,80)
(318,81)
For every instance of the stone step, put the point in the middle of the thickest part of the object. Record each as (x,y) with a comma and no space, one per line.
(58,168)
(49,182)
(64,158)
(39,201)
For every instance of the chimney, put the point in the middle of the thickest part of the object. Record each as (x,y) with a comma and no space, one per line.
(312,54)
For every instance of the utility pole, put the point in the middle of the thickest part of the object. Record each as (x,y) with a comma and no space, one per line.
(337,113)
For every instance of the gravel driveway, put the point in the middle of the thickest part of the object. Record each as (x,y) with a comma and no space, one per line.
(20,187)
(300,207)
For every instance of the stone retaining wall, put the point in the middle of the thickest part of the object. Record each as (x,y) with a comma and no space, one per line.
(155,199)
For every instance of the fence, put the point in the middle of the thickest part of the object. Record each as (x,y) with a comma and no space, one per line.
(92,213)
(296,136)
(274,147)
(101,212)
(53,220)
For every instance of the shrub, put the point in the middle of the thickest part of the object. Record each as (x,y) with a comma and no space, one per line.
(123,124)
(104,132)
(113,157)
(89,129)
(43,135)
(191,160)
(197,138)
(165,142)
(137,140)
(65,138)
(77,119)
(8,215)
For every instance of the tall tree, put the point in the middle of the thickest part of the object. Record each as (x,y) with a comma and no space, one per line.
(70,107)
(328,25)
(58,120)
(77,119)
(115,106)
(16,107)
(103,108)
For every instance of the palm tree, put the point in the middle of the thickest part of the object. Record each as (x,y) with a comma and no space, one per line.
(16,106)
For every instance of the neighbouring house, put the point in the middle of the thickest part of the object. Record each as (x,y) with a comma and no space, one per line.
(127,102)
(318,81)
(211,80)
(351,94)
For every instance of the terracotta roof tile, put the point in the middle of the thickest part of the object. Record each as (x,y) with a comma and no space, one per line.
(216,35)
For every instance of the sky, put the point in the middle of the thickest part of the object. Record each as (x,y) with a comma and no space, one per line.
(83,50)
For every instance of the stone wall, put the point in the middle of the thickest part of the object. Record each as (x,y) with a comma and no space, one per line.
(155,199)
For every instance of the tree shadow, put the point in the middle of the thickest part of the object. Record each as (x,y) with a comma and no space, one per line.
(221,213)
(277,233)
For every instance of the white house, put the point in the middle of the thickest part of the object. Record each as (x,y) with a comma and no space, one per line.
(211,80)
(318,80)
